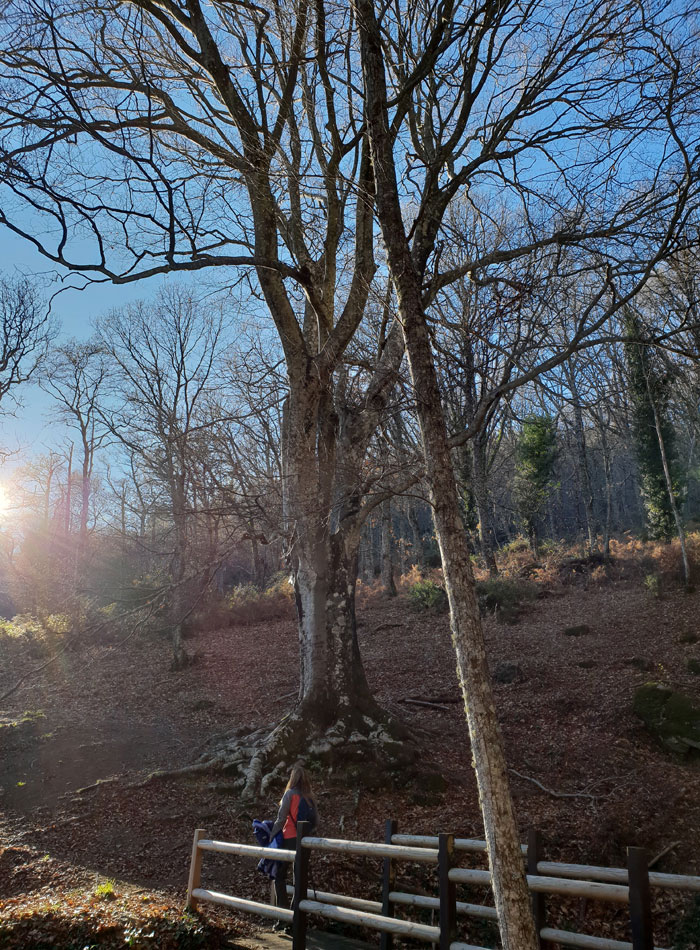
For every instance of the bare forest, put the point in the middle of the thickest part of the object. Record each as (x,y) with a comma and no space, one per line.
(379,453)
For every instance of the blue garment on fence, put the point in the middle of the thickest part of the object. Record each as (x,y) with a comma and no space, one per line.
(261,830)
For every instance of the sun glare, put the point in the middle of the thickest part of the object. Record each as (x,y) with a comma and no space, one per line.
(4,500)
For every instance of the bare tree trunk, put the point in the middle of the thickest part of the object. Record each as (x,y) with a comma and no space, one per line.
(323,557)
(418,554)
(584,475)
(669,487)
(607,468)
(69,491)
(481,500)
(510,890)
(388,582)
(85,491)
(509,886)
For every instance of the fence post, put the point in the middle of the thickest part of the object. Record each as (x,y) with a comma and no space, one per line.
(534,856)
(448,891)
(640,899)
(195,869)
(301,886)
(388,879)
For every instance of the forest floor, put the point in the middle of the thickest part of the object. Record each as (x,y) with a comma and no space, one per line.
(90,857)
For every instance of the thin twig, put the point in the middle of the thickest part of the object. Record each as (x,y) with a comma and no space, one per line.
(551,792)
(660,855)
(421,702)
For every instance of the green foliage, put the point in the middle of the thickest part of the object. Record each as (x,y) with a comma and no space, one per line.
(649,390)
(652,584)
(105,891)
(504,596)
(537,452)
(427,595)
(23,625)
(28,718)
(248,604)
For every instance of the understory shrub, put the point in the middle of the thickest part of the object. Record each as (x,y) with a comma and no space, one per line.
(247,604)
(427,595)
(505,596)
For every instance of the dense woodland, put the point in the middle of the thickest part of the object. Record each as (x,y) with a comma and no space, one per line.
(429,286)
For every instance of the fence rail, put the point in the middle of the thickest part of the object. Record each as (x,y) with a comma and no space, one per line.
(685,882)
(630,886)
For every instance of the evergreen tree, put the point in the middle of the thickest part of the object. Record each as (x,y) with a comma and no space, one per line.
(537,452)
(649,390)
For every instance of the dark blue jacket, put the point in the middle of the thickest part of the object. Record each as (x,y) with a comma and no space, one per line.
(261,830)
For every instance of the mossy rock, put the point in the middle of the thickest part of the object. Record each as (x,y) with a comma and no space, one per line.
(669,716)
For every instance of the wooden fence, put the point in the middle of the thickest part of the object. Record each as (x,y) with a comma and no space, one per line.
(630,886)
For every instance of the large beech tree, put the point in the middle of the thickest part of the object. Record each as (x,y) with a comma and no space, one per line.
(550,105)
(174,137)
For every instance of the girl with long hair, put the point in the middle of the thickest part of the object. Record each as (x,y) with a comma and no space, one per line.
(298,804)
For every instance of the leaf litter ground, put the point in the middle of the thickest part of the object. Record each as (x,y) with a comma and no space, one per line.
(107,866)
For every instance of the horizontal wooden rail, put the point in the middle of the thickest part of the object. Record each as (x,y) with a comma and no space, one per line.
(343,900)
(549,885)
(458,945)
(238,903)
(687,882)
(404,928)
(398,897)
(246,850)
(371,850)
(432,903)
(584,941)
(431,841)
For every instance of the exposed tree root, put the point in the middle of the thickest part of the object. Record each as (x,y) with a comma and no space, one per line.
(375,751)
(366,750)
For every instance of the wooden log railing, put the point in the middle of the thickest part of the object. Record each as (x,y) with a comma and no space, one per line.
(630,886)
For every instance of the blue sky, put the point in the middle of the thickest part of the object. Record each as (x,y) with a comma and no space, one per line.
(30,429)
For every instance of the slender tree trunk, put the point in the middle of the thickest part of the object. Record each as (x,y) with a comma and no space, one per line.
(480,490)
(510,890)
(69,492)
(584,475)
(122,513)
(418,554)
(669,488)
(607,468)
(178,571)
(388,582)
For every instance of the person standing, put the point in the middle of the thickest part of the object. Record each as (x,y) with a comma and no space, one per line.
(297,804)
